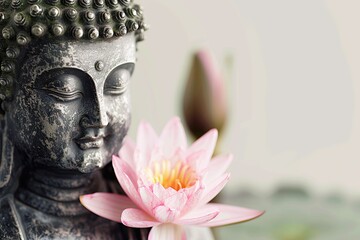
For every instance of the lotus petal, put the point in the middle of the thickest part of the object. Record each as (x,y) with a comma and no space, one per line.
(167,232)
(107,205)
(230,214)
(173,137)
(136,218)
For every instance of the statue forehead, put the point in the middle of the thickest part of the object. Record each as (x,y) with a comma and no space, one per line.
(91,57)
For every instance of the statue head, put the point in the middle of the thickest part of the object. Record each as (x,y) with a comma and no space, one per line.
(65,68)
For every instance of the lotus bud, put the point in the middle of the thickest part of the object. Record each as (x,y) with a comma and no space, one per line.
(204,102)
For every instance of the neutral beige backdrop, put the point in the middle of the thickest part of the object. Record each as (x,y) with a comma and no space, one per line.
(293,86)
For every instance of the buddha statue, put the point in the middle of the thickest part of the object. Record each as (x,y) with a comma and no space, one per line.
(65,68)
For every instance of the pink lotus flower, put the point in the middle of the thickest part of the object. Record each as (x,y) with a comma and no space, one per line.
(168,184)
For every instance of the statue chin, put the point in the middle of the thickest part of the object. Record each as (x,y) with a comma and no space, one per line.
(92,161)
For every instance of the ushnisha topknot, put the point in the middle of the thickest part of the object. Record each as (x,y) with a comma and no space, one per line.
(22,21)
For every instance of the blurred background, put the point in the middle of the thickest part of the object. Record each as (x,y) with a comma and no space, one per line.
(291,76)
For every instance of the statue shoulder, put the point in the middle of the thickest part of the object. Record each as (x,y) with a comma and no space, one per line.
(9,228)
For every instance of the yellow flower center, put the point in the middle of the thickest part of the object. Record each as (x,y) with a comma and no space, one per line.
(180,175)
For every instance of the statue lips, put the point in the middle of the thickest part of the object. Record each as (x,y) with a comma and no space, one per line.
(89,141)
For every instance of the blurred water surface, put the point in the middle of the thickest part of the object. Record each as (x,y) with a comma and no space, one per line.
(293,214)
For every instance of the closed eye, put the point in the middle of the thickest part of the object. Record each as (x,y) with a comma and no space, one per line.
(116,89)
(63,96)
(62,84)
(118,81)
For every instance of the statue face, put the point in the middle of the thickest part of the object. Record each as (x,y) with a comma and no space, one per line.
(70,108)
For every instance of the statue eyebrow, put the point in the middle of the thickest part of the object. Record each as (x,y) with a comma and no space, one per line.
(50,74)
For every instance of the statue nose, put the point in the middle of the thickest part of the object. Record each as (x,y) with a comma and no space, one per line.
(95,118)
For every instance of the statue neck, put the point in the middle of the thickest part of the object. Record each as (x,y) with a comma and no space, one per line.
(57,193)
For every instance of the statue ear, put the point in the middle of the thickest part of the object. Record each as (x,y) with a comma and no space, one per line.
(4,106)
(7,156)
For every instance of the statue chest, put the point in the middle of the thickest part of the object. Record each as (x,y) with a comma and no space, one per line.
(24,222)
